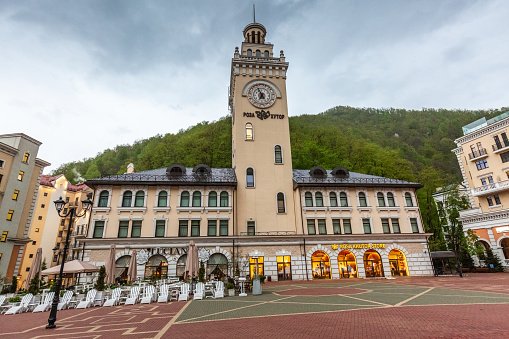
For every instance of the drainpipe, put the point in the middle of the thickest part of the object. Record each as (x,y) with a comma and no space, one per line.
(302,225)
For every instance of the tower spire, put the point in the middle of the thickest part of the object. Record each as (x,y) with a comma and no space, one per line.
(254,14)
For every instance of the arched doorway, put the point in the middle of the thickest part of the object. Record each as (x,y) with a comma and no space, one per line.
(121,267)
(320,265)
(181,265)
(217,266)
(399,266)
(505,247)
(373,264)
(157,267)
(347,265)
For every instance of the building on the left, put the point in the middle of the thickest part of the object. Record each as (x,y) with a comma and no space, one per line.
(20,174)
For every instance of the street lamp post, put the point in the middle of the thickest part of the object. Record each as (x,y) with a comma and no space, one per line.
(59,205)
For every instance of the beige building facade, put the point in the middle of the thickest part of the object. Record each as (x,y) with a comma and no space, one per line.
(483,157)
(261,214)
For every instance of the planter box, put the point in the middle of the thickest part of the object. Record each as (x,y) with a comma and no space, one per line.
(231,292)
(481,270)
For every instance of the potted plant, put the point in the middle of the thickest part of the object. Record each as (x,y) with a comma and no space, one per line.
(231,289)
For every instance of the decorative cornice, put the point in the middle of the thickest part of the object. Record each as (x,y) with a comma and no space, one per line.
(482,131)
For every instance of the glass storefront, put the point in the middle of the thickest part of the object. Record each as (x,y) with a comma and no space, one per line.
(217,266)
(121,267)
(255,262)
(320,265)
(156,266)
(284,268)
(398,263)
(181,265)
(347,265)
(373,264)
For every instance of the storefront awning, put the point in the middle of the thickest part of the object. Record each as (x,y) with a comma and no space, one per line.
(442,254)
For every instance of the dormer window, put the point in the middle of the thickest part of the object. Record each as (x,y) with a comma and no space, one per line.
(318,171)
(202,169)
(175,169)
(340,172)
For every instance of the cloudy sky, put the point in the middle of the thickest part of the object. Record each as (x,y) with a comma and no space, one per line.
(84,76)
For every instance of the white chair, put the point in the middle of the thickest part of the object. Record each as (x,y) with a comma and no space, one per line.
(199,291)
(163,294)
(184,292)
(115,297)
(134,295)
(218,292)
(89,300)
(2,299)
(64,301)
(174,292)
(23,305)
(46,303)
(148,294)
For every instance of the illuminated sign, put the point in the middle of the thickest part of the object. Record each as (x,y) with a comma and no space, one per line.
(262,115)
(355,246)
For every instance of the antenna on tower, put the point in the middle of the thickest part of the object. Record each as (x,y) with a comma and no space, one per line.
(254,14)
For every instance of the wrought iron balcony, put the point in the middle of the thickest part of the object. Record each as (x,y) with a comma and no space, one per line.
(490,188)
(478,154)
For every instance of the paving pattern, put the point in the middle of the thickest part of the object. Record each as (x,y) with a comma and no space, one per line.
(450,307)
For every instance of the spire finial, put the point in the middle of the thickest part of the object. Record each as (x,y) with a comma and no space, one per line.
(254,14)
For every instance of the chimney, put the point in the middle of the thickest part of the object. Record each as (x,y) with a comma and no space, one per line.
(130,168)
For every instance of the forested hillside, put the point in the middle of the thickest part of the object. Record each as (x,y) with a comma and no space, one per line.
(396,143)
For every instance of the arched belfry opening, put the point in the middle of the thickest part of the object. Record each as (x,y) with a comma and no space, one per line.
(255,33)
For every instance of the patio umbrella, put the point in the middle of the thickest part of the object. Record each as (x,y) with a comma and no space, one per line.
(110,266)
(192,265)
(35,269)
(75,266)
(132,271)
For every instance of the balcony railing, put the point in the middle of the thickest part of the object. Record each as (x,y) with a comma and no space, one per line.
(500,146)
(269,233)
(490,188)
(477,153)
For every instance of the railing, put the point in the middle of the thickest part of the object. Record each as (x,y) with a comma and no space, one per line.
(499,146)
(269,233)
(490,188)
(168,178)
(371,181)
(477,154)
(80,230)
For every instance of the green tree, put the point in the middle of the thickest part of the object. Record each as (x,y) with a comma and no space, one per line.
(99,284)
(493,262)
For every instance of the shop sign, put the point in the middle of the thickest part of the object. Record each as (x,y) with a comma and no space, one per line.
(354,246)
(262,115)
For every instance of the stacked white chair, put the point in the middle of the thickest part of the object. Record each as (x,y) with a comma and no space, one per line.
(148,294)
(184,292)
(174,292)
(89,300)
(23,305)
(115,298)
(133,296)
(200,291)
(163,294)
(64,301)
(218,292)
(46,303)
(2,299)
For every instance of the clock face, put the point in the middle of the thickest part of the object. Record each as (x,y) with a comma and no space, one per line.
(261,96)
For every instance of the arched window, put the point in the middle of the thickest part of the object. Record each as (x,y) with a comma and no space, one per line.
(212,199)
(381,199)
(278,155)
(373,264)
(308,197)
(223,199)
(258,53)
(320,265)
(249,131)
(266,54)
(127,199)
(333,199)
(281,203)
(184,199)
(362,199)
(139,200)
(217,265)
(343,199)
(505,247)
(408,200)
(318,199)
(121,267)
(181,265)
(399,266)
(390,199)
(157,267)
(103,199)
(250,177)
(249,52)
(162,199)
(196,199)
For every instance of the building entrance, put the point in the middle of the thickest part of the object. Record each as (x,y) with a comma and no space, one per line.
(347,265)
(320,265)
(284,268)
(398,263)
(373,264)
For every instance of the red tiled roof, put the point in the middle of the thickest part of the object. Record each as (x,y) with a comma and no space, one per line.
(48,180)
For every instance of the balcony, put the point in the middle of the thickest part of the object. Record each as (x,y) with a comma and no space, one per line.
(268,233)
(490,188)
(478,154)
(500,147)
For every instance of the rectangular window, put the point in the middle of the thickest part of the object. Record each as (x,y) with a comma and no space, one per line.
(195,228)
(366,225)
(27,269)
(55,257)
(481,164)
(39,217)
(490,201)
(136,229)
(504,156)
(413,223)
(1,176)
(160,228)
(62,222)
(336,226)
(251,230)
(9,215)
(322,229)
(2,163)
(42,205)
(311,226)
(60,233)
(385,226)
(37,230)
(15,195)
(98,229)
(26,156)
(30,255)
(20,175)
(123,228)
(34,242)
(223,227)
(46,194)
(212,228)
(497,199)
(395,225)
(3,238)
(183,228)
(347,226)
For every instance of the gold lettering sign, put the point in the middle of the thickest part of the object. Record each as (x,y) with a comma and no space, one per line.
(358,246)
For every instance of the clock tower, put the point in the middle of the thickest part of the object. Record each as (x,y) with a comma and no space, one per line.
(261,152)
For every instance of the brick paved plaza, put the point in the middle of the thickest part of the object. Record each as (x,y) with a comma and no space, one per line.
(475,306)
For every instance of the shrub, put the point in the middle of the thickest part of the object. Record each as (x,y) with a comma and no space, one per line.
(99,284)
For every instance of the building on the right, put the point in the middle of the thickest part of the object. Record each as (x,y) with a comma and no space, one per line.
(483,157)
